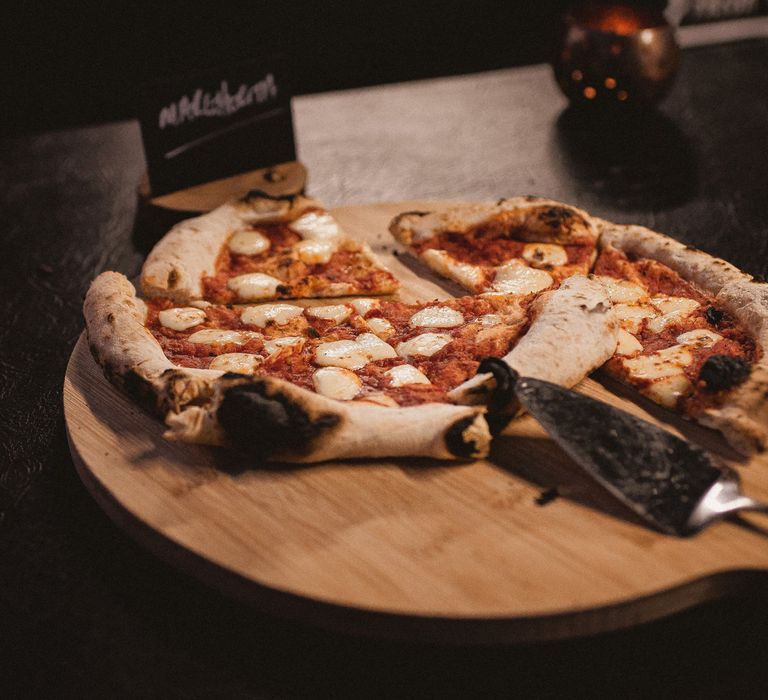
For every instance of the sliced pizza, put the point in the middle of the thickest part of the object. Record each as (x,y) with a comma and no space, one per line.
(259,248)
(694,330)
(520,246)
(362,378)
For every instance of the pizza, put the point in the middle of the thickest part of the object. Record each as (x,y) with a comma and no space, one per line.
(263,326)
(260,247)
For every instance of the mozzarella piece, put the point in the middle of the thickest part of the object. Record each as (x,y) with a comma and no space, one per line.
(381,327)
(663,363)
(466,274)
(218,336)
(200,303)
(426,344)
(622,291)
(315,252)
(437,317)
(316,226)
(545,254)
(363,306)
(254,285)
(628,344)
(374,347)
(515,277)
(336,383)
(631,315)
(674,310)
(288,341)
(341,353)
(181,319)
(237,362)
(701,337)
(280,314)
(489,320)
(667,391)
(336,313)
(406,374)
(248,243)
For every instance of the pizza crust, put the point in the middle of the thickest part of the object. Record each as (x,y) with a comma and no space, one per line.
(743,417)
(290,423)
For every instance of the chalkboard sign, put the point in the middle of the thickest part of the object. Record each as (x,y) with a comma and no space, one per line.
(202,127)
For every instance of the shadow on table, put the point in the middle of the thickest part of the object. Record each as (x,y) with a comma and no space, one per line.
(637,160)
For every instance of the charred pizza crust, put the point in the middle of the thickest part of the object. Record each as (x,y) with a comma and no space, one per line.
(742,415)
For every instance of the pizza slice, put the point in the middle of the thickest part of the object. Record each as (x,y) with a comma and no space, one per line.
(259,248)
(362,378)
(520,246)
(694,330)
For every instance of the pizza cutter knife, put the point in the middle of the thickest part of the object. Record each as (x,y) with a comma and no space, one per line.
(674,486)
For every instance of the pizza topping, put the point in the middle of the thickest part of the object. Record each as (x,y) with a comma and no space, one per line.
(237,362)
(315,252)
(181,319)
(254,286)
(667,391)
(437,317)
(336,383)
(631,316)
(287,341)
(714,316)
(248,243)
(515,277)
(200,303)
(426,344)
(628,344)
(341,353)
(363,306)
(489,320)
(468,275)
(217,336)
(662,363)
(622,291)
(700,337)
(374,347)
(316,225)
(545,255)
(381,327)
(336,312)
(406,374)
(279,314)
(673,309)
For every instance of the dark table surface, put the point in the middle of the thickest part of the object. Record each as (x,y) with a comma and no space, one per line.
(86,612)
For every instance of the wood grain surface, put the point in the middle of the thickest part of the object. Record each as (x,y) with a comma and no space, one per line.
(410,547)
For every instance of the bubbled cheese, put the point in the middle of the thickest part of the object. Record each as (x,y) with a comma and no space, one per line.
(701,337)
(437,317)
(336,312)
(402,375)
(381,327)
(288,341)
(374,347)
(336,383)
(667,391)
(663,363)
(315,252)
(426,344)
(248,243)
(319,226)
(628,344)
(237,362)
(622,291)
(631,315)
(545,254)
(181,319)
(363,306)
(515,277)
(279,314)
(218,336)
(673,309)
(341,353)
(254,285)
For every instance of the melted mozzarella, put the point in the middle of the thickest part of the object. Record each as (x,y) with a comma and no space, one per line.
(280,314)
(341,353)
(663,363)
(200,303)
(181,319)
(318,226)
(622,291)
(374,347)
(274,345)
(336,383)
(248,243)
(489,320)
(254,285)
(631,315)
(701,337)
(381,327)
(437,317)
(466,274)
(628,344)
(218,336)
(545,254)
(406,374)
(336,313)
(667,391)
(515,277)
(238,362)
(315,252)
(363,306)
(426,344)
(673,309)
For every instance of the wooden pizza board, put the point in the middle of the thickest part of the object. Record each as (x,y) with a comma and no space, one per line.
(409,548)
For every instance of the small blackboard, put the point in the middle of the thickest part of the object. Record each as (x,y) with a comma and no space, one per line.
(210,125)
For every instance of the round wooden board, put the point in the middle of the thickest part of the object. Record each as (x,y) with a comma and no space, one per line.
(458,552)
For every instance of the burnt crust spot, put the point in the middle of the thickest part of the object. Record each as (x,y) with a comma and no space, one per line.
(264,424)
(261,194)
(173,278)
(714,316)
(557,217)
(722,372)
